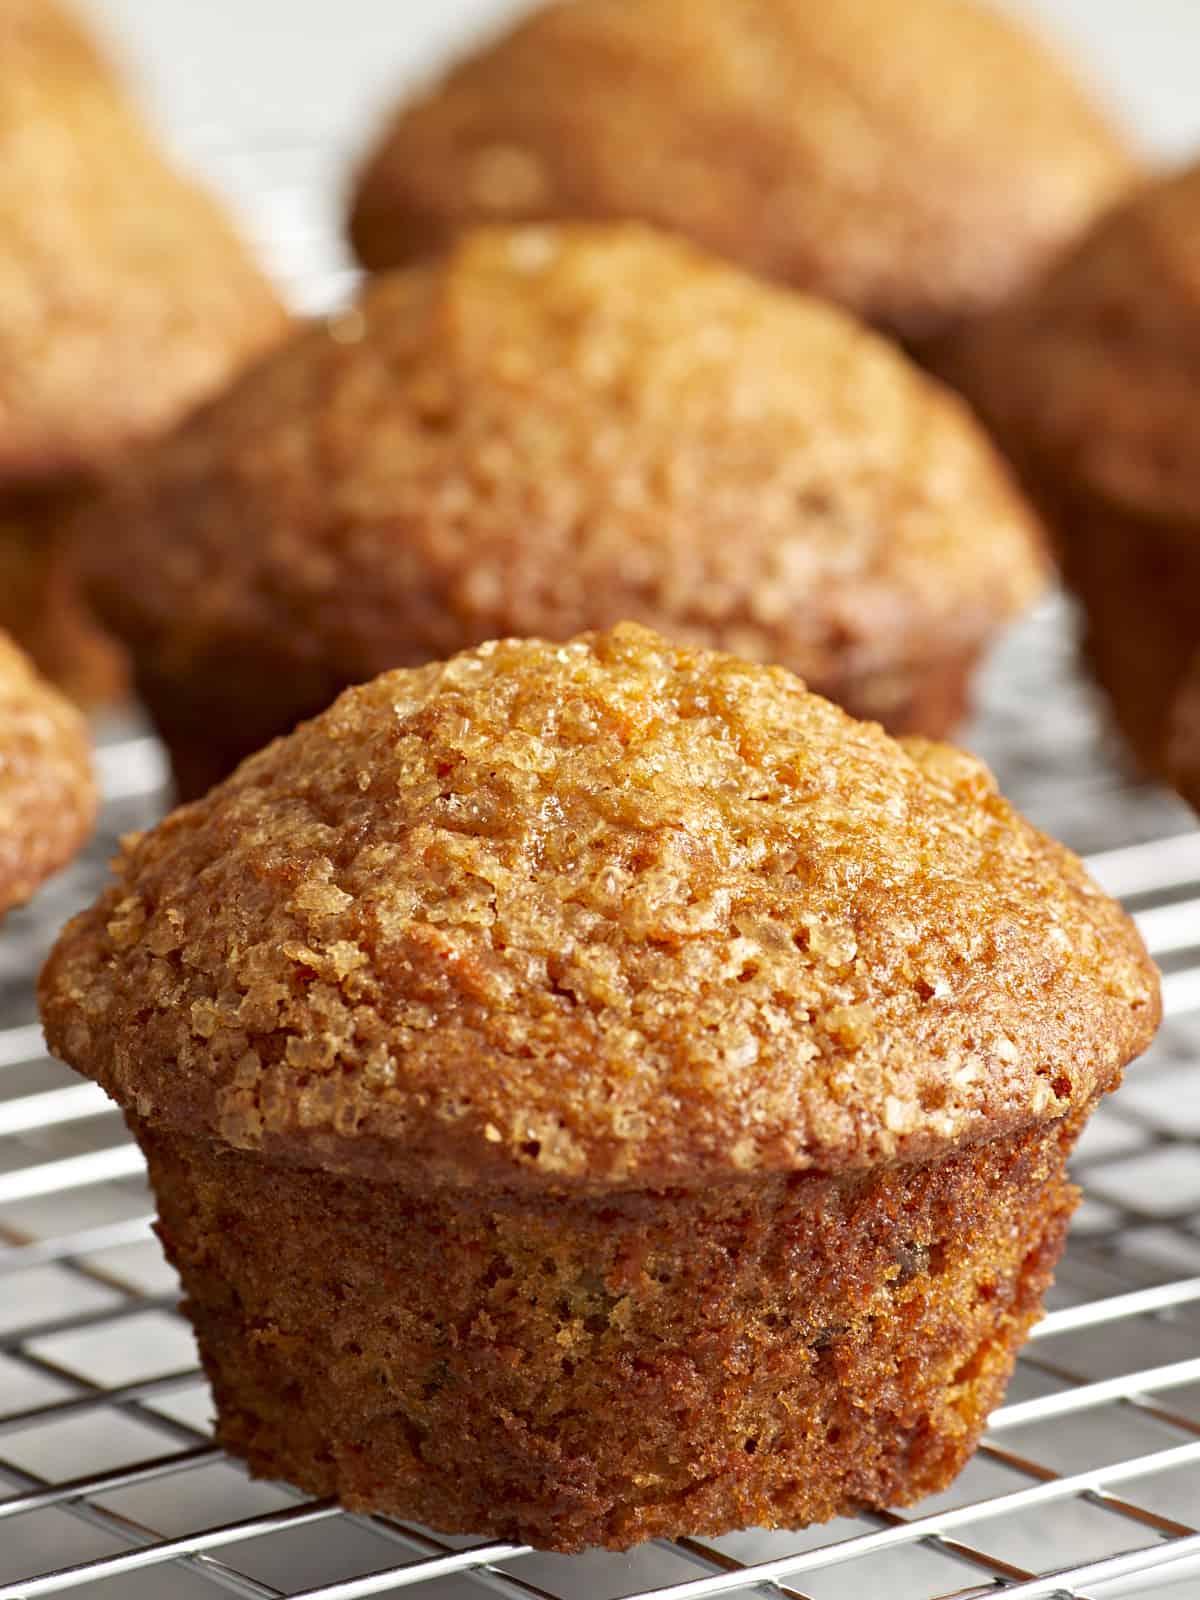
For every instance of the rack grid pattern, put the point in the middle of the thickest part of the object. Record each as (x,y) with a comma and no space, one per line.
(1086,1486)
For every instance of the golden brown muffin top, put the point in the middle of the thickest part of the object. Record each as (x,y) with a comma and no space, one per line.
(47,793)
(915,160)
(126,294)
(1093,377)
(612,912)
(554,428)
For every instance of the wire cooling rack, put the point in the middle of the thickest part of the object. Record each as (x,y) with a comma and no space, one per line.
(1087,1484)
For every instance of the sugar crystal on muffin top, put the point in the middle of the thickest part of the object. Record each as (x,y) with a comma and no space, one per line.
(611,912)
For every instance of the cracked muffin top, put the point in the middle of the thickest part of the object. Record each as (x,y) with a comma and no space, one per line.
(612,912)
(1093,377)
(551,429)
(47,794)
(915,160)
(126,294)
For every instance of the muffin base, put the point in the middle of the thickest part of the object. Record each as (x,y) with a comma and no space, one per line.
(42,608)
(573,1370)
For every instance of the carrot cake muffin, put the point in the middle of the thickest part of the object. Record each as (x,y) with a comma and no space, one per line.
(602,1090)
(547,429)
(1092,381)
(126,298)
(915,160)
(47,794)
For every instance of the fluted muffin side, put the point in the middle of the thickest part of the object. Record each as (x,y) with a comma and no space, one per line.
(571,1372)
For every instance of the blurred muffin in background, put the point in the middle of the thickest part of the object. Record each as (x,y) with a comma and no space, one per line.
(914,160)
(1092,382)
(127,297)
(545,430)
(47,791)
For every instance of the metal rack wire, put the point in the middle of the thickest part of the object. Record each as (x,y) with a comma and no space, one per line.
(1087,1484)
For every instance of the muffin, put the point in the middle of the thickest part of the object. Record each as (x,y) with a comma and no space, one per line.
(47,794)
(914,160)
(127,298)
(601,1090)
(1092,382)
(545,430)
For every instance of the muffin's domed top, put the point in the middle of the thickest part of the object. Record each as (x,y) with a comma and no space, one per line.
(47,796)
(126,295)
(915,160)
(1093,377)
(551,429)
(607,912)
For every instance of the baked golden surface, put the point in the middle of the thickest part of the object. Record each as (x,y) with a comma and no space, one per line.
(610,913)
(47,793)
(552,429)
(916,160)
